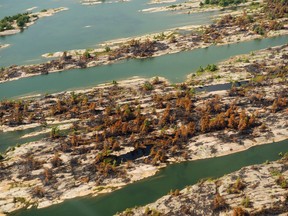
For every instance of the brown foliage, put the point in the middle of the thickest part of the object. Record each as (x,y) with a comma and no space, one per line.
(276,8)
(56,160)
(166,116)
(232,122)
(204,123)
(32,164)
(219,203)
(281,181)
(239,211)
(279,104)
(48,176)
(218,122)
(38,192)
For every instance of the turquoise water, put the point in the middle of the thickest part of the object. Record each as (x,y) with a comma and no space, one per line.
(175,176)
(175,67)
(66,30)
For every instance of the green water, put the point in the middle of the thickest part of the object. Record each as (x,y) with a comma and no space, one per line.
(12,139)
(175,67)
(68,29)
(15,138)
(172,177)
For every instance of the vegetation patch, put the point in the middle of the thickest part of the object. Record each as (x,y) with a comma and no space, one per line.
(8,22)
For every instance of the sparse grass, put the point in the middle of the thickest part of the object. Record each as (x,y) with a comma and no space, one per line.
(259,79)
(246,202)
(175,192)
(275,172)
(152,212)
(160,36)
(148,86)
(208,179)
(237,187)
(172,6)
(128,212)
(282,182)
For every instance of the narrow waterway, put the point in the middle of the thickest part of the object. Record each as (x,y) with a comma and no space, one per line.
(15,138)
(174,67)
(175,176)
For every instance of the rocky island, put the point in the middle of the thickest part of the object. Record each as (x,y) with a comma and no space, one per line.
(265,20)
(118,133)
(254,190)
(10,25)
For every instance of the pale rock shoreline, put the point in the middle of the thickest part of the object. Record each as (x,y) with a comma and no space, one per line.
(257,190)
(191,7)
(2,46)
(49,12)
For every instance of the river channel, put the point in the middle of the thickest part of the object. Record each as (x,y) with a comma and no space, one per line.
(175,176)
(174,67)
